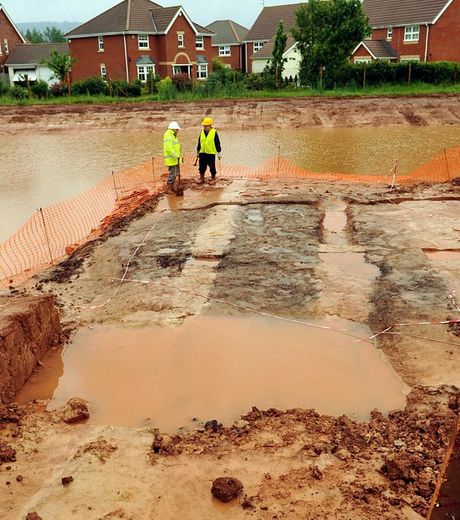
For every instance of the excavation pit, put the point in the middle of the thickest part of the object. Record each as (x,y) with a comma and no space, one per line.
(215,367)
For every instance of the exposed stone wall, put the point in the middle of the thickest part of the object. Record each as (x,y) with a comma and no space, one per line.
(29,326)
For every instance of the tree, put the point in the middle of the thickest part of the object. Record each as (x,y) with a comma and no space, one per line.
(327,31)
(276,64)
(60,65)
(34,36)
(50,35)
(54,35)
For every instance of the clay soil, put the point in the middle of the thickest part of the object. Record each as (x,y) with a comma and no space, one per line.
(259,245)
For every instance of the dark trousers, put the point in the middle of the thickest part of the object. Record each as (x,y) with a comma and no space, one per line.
(205,160)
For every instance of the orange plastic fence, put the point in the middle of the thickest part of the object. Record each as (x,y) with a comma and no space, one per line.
(54,232)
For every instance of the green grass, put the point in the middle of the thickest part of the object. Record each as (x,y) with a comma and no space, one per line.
(385,90)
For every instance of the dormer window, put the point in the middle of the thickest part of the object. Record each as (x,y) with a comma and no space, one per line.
(180,40)
(389,33)
(100,43)
(411,33)
(143,41)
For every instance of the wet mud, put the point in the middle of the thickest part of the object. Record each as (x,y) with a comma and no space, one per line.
(293,249)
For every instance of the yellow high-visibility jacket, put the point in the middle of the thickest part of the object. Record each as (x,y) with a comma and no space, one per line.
(171,148)
(207,142)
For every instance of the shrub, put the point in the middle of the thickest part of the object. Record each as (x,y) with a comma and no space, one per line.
(58,89)
(3,88)
(40,89)
(18,92)
(182,82)
(254,82)
(135,88)
(92,86)
(119,88)
(166,89)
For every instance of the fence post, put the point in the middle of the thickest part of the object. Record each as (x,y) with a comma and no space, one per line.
(364,76)
(447,164)
(115,185)
(394,169)
(46,235)
(409,73)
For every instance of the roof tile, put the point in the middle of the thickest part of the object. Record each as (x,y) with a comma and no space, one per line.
(28,54)
(394,13)
(264,28)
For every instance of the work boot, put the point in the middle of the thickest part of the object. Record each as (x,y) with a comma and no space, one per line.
(201,181)
(213,180)
(169,189)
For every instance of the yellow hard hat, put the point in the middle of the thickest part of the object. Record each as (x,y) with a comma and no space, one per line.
(207,121)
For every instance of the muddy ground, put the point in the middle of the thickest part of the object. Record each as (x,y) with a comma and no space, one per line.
(235,114)
(234,248)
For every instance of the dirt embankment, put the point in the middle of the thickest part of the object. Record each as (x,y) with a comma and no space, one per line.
(239,114)
(29,326)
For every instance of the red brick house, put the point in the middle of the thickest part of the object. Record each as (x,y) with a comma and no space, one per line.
(264,29)
(9,37)
(411,30)
(227,42)
(138,36)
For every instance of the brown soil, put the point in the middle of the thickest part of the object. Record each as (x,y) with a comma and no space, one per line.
(238,248)
(262,113)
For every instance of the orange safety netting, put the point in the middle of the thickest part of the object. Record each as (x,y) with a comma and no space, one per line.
(56,231)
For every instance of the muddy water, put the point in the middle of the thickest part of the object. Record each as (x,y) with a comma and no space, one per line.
(218,367)
(443,254)
(38,170)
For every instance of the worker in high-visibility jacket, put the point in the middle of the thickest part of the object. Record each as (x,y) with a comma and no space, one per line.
(208,147)
(172,154)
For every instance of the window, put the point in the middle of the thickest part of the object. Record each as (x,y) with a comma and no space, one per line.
(143,72)
(103,72)
(7,49)
(224,50)
(362,59)
(143,41)
(100,43)
(258,46)
(389,33)
(409,58)
(411,33)
(202,71)
(199,42)
(180,40)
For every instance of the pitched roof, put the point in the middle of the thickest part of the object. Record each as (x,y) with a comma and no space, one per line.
(136,16)
(12,23)
(28,54)
(394,13)
(379,49)
(227,32)
(266,51)
(264,28)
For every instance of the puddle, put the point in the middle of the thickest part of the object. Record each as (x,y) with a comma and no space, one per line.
(351,263)
(442,254)
(219,367)
(190,199)
(448,502)
(335,221)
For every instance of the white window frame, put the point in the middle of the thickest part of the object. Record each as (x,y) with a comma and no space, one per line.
(389,33)
(7,48)
(103,72)
(1,52)
(100,43)
(143,72)
(362,59)
(257,46)
(199,42)
(180,40)
(225,50)
(411,33)
(202,71)
(405,59)
(143,42)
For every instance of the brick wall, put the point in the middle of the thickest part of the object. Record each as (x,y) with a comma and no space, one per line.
(235,60)
(8,32)
(444,38)
(397,41)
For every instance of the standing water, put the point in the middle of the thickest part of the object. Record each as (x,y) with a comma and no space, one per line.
(39,170)
(219,367)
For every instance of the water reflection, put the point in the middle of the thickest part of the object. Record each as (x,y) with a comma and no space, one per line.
(38,170)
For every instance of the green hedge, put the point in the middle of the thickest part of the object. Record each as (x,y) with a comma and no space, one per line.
(384,73)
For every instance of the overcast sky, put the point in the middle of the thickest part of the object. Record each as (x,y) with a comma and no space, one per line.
(203,12)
